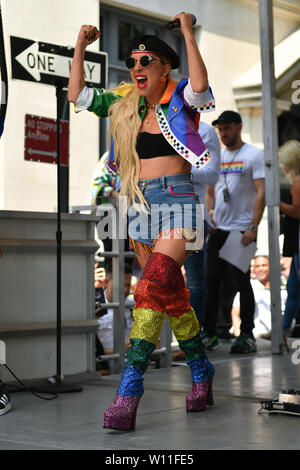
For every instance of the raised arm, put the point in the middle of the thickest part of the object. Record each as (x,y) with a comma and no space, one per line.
(197,69)
(87,35)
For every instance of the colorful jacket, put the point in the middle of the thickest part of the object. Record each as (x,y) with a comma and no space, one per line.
(177,114)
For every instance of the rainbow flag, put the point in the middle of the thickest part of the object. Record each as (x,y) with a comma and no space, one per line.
(232,167)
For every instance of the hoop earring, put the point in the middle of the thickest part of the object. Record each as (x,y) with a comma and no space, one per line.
(163,78)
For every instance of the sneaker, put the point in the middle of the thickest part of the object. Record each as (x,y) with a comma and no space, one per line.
(210,344)
(226,335)
(5,403)
(243,344)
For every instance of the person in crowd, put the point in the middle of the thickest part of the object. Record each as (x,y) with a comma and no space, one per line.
(154,140)
(262,295)
(106,187)
(195,264)
(104,184)
(228,291)
(5,402)
(239,205)
(106,315)
(285,266)
(289,157)
(99,277)
(261,288)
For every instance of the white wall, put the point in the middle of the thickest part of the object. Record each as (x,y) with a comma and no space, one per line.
(229,41)
(28,185)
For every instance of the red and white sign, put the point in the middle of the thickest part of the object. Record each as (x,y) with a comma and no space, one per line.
(41,141)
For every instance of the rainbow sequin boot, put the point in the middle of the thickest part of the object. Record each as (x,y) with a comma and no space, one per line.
(121,415)
(202,371)
(201,394)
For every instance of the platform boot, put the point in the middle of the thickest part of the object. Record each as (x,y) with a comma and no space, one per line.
(202,372)
(148,319)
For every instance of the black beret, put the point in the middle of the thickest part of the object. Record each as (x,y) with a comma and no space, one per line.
(148,43)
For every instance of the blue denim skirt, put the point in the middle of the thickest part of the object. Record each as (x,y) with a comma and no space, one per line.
(173,204)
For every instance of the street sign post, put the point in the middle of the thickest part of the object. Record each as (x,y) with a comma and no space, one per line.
(41,62)
(50,64)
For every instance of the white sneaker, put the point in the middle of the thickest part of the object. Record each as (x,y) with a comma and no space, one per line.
(5,403)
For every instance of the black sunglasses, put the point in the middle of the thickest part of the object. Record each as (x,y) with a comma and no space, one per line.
(145,61)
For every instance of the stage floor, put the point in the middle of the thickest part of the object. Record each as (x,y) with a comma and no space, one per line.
(73,421)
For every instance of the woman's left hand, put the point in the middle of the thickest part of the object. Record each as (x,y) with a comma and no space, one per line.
(186,22)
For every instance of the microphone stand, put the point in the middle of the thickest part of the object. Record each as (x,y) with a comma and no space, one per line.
(58,386)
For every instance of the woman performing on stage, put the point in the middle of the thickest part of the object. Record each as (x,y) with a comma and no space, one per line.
(153,142)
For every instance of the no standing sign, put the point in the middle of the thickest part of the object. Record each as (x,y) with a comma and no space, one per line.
(40,140)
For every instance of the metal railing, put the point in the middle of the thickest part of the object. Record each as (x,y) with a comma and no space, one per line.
(118,255)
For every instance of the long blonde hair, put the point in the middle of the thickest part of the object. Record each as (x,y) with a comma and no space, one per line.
(124,128)
(289,157)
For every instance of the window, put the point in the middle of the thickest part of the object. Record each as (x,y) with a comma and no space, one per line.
(118,28)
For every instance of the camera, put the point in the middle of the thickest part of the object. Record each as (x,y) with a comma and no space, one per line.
(226,194)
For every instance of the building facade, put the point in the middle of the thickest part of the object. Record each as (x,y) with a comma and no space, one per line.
(227,32)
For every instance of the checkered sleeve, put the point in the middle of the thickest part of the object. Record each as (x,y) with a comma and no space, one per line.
(202,102)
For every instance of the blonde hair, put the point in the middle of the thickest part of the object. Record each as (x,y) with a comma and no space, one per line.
(289,158)
(124,129)
(125,123)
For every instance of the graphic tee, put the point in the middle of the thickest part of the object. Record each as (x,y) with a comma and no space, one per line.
(238,170)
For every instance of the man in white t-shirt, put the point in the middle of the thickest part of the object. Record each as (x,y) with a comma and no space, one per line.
(195,264)
(239,205)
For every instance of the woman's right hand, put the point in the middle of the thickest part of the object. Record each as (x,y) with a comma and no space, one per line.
(87,35)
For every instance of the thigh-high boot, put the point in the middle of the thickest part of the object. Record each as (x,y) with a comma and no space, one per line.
(186,329)
(148,317)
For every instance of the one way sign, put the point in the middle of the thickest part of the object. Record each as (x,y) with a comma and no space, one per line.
(50,64)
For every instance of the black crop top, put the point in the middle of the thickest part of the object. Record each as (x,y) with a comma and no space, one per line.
(153,145)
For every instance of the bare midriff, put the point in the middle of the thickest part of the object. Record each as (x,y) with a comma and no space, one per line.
(163,166)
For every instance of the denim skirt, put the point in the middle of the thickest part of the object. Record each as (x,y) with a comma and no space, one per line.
(173,204)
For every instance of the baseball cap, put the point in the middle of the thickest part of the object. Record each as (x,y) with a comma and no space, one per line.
(228,116)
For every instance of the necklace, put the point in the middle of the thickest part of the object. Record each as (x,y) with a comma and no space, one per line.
(152,105)
(150,118)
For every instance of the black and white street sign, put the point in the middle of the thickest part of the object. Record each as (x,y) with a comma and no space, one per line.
(41,62)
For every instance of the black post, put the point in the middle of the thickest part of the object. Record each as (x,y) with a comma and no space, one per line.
(58,240)
(58,386)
